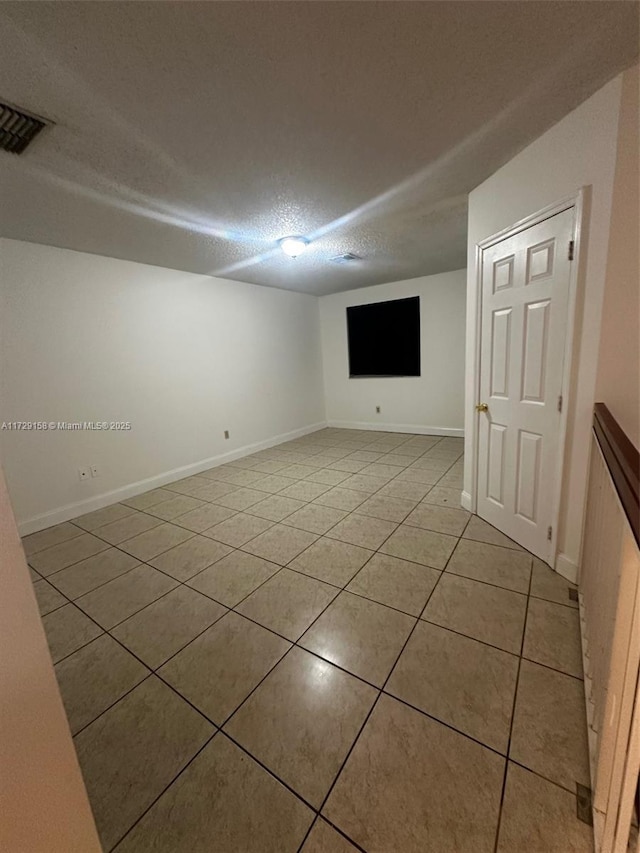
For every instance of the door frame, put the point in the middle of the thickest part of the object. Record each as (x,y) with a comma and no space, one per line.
(577,202)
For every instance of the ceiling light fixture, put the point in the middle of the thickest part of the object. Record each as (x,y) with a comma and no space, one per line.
(293,246)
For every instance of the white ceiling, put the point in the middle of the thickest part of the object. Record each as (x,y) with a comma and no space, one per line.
(193,135)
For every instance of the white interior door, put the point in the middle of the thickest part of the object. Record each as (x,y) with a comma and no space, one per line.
(525,295)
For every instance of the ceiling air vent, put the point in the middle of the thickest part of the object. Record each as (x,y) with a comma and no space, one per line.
(347,258)
(17,129)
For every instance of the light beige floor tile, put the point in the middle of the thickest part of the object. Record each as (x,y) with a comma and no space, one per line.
(328,477)
(315,518)
(386,507)
(441,496)
(48,538)
(424,476)
(288,603)
(89,574)
(547,584)
(164,627)
(487,613)
(413,785)
(348,465)
(48,597)
(324,839)
(302,720)
(33,574)
(360,636)
(363,531)
(340,498)
(298,471)
(125,528)
(234,577)
(192,485)
(94,678)
(441,519)
(242,478)
(407,491)
(539,817)
(211,490)
(155,541)
(379,469)
(274,483)
(320,461)
(67,629)
(120,598)
(133,751)
(276,507)
(280,544)
(491,564)
(239,529)
(331,561)
(552,636)
(549,727)
(66,553)
(365,483)
(147,499)
(216,473)
(305,490)
(420,546)
(178,505)
(240,499)
(452,480)
(395,582)
(100,517)
(479,530)
(268,466)
(190,557)
(226,796)
(218,670)
(397,459)
(204,517)
(462,682)
(366,456)
(335,452)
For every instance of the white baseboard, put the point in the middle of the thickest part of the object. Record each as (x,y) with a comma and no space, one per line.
(592,738)
(466,501)
(69,511)
(414,429)
(567,568)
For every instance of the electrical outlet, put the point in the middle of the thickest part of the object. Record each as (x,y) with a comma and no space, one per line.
(377,410)
(84,473)
(226,433)
(95,471)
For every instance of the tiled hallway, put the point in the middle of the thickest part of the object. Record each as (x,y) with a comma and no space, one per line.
(315,649)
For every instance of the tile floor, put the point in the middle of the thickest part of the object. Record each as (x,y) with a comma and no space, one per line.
(315,649)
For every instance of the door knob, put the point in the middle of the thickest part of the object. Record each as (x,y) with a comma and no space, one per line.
(482,407)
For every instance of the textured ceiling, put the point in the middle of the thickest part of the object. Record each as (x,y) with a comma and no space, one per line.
(192,135)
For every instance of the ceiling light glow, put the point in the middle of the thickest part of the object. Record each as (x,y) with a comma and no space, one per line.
(293,246)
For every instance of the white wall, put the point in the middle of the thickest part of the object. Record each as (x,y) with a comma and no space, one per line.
(432,402)
(45,808)
(578,151)
(618,382)
(181,356)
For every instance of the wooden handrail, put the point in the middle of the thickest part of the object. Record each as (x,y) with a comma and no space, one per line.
(623,462)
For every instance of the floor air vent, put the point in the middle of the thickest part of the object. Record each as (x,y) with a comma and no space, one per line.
(17,129)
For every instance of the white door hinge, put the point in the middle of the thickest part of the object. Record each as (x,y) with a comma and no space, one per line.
(572,246)
(560,403)
(549,533)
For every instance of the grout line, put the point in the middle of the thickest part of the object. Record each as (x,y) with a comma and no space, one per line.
(513,711)
(139,818)
(368,716)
